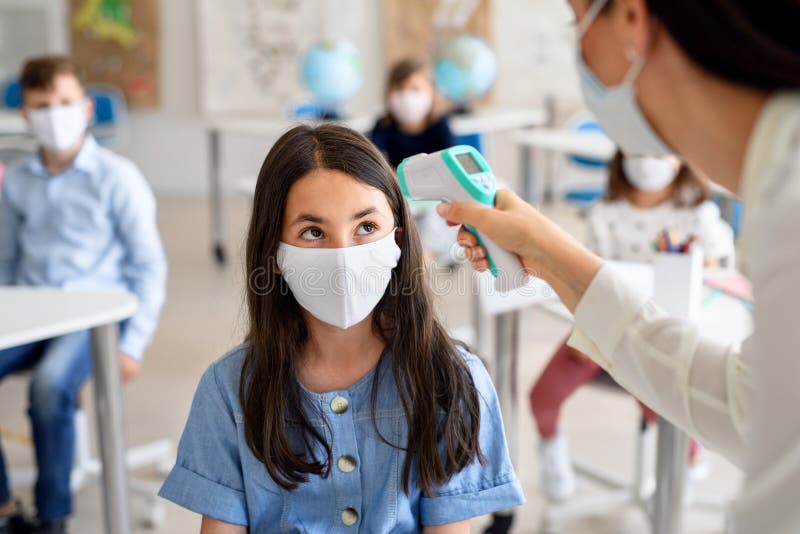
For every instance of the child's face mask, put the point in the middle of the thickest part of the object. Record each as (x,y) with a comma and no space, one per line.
(648,173)
(59,128)
(339,286)
(409,105)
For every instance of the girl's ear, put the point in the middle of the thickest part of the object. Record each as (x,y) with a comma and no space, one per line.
(398,235)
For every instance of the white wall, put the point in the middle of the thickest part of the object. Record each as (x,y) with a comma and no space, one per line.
(169,143)
(533,45)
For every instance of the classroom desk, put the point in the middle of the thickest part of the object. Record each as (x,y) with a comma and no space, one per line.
(718,318)
(12,124)
(482,121)
(587,145)
(33,314)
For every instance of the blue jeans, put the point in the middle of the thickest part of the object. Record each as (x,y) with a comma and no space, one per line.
(60,365)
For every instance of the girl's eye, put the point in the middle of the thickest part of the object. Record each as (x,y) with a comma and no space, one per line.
(366,228)
(312,234)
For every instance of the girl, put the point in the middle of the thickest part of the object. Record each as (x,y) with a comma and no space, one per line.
(348,405)
(410,125)
(645,196)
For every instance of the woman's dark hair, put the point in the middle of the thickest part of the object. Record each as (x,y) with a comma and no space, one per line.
(435,386)
(749,42)
(398,74)
(688,189)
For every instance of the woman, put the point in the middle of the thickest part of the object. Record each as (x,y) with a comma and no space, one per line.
(717,82)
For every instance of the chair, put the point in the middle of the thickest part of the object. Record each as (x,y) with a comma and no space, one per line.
(111,124)
(12,94)
(588,176)
(87,469)
(618,493)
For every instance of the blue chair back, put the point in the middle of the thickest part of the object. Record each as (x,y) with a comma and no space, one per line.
(12,94)
(732,211)
(107,106)
(474,140)
(584,197)
(588,126)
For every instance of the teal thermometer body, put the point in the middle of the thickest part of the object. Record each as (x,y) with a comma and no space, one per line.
(461,174)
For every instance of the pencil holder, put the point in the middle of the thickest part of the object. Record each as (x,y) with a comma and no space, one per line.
(678,282)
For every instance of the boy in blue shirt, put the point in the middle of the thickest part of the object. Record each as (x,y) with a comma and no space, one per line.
(74,216)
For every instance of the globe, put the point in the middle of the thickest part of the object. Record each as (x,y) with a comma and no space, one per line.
(464,68)
(333,72)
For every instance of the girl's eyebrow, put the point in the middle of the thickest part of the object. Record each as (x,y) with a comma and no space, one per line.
(364,213)
(307,217)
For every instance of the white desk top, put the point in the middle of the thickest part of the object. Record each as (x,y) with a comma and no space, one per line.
(723,318)
(32,314)
(588,145)
(12,123)
(481,121)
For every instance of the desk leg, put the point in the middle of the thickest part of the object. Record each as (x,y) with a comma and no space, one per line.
(505,380)
(673,448)
(528,173)
(108,400)
(215,195)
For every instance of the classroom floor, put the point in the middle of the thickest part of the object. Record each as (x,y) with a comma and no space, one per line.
(201,320)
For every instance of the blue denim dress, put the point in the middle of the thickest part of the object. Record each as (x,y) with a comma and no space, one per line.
(217,475)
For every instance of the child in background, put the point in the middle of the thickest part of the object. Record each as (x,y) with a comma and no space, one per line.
(411,126)
(348,405)
(645,196)
(74,216)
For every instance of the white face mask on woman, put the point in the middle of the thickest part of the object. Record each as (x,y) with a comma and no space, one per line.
(59,128)
(649,174)
(339,286)
(615,107)
(410,106)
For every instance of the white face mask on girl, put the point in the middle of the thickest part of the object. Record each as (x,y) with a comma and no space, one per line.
(650,174)
(59,128)
(410,106)
(615,107)
(339,286)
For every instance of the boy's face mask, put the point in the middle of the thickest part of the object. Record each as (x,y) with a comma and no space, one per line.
(339,286)
(59,128)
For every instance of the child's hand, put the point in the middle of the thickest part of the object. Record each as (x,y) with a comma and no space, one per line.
(129,367)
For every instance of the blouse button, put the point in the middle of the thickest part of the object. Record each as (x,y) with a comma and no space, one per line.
(349,516)
(339,405)
(346,463)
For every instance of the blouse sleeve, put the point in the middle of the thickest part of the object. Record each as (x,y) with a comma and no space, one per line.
(207,477)
(478,489)
(701,386)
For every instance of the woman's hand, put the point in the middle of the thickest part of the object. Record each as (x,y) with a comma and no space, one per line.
(546,251)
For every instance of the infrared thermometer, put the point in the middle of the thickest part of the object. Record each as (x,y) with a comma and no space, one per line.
(460,174)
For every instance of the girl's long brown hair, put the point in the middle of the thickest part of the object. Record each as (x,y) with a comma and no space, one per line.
(433,381)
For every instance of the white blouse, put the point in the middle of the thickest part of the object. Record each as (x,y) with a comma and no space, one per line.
(744,405)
